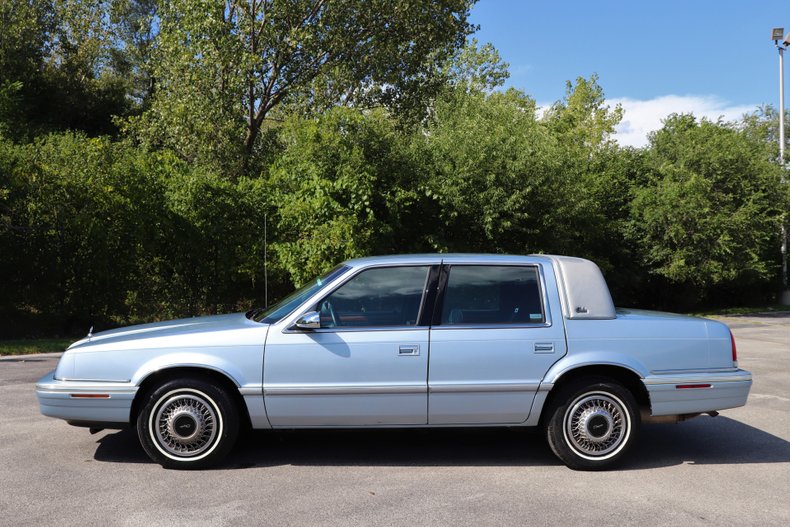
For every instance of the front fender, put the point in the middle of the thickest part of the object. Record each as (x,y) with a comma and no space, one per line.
(241,364)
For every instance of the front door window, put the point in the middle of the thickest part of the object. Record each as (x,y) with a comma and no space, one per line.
(378,297)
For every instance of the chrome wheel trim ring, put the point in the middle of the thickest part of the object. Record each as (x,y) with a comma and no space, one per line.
(606,408)
(198,406)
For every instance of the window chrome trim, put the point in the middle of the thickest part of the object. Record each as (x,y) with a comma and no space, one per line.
(424,294)
(544,295)
(545,307)
(490,326)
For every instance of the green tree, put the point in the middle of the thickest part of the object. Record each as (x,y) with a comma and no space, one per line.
(58,55)
(24,43)
(708,213)
(476,67)
(223,68)
(9,106)
(344,186)
(72,225)
(763,125)
(608,183)
(494,175)
(582,119)
(208,255)
(505,180)
(97,231)
(135,23)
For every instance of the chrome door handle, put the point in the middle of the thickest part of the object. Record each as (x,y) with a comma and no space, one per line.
(544,347)
(409,349)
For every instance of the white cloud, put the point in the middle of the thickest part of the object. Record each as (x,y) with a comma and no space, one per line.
(643,116)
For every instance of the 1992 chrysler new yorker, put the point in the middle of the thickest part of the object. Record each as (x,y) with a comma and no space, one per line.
(407,341)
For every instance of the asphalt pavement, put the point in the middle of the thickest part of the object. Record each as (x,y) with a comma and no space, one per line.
(730,470)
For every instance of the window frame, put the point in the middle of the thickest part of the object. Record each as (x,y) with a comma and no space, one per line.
(330,276)
(436,322)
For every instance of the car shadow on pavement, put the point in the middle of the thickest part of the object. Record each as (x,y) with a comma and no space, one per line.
(384,447)
(707,441)
(120,446)
(702,441)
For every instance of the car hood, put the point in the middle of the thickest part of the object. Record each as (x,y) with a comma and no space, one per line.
(230,329)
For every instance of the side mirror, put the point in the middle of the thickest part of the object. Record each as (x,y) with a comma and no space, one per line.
(310,320)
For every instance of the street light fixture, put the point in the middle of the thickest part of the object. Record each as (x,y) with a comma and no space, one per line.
(777,34)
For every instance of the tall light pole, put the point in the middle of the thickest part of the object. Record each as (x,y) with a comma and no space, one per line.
(777,34)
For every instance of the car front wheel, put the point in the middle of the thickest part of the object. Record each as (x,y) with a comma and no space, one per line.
(188,423)
(592,424)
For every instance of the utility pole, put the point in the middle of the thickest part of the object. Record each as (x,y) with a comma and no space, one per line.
(777,35)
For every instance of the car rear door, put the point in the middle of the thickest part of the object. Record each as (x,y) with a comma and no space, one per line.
(492,340)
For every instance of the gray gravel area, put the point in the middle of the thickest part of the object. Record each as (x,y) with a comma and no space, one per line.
(729,470)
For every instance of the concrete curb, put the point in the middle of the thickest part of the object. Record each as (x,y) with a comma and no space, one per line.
(16,358)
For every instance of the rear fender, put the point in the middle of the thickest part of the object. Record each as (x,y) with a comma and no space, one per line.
(573,362)
(594,358)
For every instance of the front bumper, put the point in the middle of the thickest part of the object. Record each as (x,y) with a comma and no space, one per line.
(85,401)
(677,393)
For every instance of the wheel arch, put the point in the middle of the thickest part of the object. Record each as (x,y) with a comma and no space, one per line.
(218,377)
(624,375)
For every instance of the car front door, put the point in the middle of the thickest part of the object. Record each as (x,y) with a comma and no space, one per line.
(367,363)
(492,341)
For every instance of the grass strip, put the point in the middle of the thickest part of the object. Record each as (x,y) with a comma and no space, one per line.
(29,346)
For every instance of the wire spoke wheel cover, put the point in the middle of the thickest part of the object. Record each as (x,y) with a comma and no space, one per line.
(188,422)
(592,423)
(596,425)
(185,424)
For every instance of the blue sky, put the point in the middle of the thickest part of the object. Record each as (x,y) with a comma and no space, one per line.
(712,58)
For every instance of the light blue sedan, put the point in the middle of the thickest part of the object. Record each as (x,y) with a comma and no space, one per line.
(407,341)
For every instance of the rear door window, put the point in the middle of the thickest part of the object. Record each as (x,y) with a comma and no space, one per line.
(487,294)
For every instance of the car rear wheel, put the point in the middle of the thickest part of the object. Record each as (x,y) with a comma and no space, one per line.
(188,423)
(592,424)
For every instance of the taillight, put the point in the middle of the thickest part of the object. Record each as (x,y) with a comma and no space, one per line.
(734,350)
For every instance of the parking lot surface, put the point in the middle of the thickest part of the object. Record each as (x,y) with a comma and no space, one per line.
(729,470)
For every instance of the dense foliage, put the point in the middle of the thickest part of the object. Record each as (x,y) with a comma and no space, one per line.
(169,158)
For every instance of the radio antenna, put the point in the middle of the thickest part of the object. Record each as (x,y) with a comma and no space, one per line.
(265,260)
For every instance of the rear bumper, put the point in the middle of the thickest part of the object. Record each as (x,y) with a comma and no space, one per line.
(687,393)
(85,401)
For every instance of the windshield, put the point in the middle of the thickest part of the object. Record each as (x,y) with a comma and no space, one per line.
(292,301)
